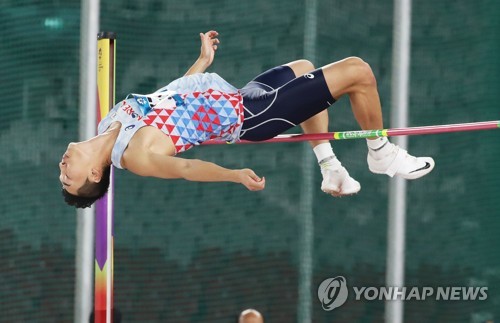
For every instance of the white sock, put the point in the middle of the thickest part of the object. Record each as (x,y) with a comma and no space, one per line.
(323,151)
(376,147)
(325,156)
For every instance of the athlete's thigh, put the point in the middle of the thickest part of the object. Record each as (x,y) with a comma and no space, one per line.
(259,93)
(290,105)
(273,78)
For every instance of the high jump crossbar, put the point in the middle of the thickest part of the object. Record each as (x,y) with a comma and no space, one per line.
(104,219)
(358,134)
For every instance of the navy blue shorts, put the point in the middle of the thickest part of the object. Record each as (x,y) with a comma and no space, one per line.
(276,101)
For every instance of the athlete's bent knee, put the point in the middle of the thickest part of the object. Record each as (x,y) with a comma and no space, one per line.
(360,71)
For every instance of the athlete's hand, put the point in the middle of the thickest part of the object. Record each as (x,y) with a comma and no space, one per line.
(251,181)
(209,42)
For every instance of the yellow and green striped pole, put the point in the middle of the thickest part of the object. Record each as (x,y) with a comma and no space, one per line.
(103,293)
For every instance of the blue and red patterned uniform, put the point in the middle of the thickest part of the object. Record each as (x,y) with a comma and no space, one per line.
(200,107)
(200,117)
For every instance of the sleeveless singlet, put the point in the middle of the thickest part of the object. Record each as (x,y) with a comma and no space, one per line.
(190,110)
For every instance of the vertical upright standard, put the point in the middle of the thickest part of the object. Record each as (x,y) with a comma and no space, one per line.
(103,293)
(305,218)
(85,225)
(396,221)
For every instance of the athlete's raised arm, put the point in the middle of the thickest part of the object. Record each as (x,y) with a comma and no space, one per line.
(209,42)
(168,167)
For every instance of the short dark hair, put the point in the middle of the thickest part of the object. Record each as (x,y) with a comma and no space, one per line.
(89,192)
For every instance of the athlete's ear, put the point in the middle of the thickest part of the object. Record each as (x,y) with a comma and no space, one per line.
(96,175)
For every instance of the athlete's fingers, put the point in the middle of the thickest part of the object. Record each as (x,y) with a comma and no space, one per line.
(214,42)
(203,37)
(207,41)
(251,180)
(212,33)
(254,176)
(257,185)
(262,183)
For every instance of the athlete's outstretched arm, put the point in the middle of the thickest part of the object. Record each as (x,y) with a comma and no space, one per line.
(168,167)
(209,42)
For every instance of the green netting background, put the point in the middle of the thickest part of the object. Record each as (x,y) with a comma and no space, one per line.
(189,252)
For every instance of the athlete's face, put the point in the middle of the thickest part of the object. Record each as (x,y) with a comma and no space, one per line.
(75,168)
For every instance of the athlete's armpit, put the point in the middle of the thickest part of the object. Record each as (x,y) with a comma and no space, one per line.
(156,165)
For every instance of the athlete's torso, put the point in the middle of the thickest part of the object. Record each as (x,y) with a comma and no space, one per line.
(148,139)
(176,121)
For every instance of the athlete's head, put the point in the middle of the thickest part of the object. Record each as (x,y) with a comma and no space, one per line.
(83,177)
(250,316)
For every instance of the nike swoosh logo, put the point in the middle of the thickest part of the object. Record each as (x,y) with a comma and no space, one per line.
(427,165)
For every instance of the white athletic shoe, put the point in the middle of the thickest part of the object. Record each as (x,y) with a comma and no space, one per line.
(397,161)
(337,182)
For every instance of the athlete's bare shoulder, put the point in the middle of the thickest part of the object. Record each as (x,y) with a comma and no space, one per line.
(148,140)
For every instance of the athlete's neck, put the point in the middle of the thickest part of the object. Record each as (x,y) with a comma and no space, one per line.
(102,144)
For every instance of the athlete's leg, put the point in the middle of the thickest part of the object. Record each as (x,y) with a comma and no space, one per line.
(354,77)
(350,76)
(336,179)
(319,122)
(303,99)
(268,81)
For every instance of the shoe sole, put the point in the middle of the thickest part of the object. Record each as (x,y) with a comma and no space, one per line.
(340,194)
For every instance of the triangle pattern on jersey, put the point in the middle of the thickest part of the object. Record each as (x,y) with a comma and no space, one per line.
(170,128)
(191,132)
(175,120)
(210,114)
(222,103)
(174,138)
